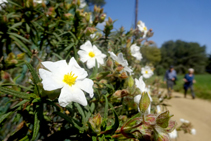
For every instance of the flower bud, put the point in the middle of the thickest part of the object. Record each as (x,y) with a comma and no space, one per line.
(101,10)
(138,42)
(119,68)
(144,102)
(102,17)
(78,2)
(10,57)
(90,30)
(21,56)
(130,82)
(5,75)
(95,123)
(43,4)
(67,15)
(150,33)
(163,119)
(123,75)
(109,63)
(110,20)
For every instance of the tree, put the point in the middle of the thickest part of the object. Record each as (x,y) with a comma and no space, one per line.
(183,55)
(96,2)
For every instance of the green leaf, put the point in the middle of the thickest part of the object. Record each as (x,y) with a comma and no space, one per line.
(16,25)
(80,110)
(35,77)
(20,103)
(67,118)
(59,57)
(95,71)
(106,108)
(92,107)
(36,127)
(18,36)
(2,117)
(22,46)
(4,90)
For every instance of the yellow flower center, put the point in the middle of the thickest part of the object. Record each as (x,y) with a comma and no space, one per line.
(91,54)
(146,72)
(145,28)
(70,78)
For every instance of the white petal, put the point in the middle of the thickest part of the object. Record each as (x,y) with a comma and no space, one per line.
(58,67)
(87,46)
(113,56)
(193,131)
(121,60)
(86,85)
(71,94)
(90,63)
(76,69)
(149,109)
(49,81)
(84,56)
(100,59)
(137,99)
(96,50)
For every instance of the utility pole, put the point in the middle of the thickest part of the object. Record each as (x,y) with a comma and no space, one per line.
(136,13)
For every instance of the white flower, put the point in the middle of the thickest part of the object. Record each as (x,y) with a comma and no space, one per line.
(193,131)
(71,78)
(2,1)
(142,28)
(146,72)
(184,121)
(39,1)
(158,109)
(82,3)
(173,134)
(92,35)
(135,52)
(121,61)
(142,86)
(89,54)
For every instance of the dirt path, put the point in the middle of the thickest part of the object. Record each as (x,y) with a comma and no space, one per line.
(197,111)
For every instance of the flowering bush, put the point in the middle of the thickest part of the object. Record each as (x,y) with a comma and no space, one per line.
(63,78)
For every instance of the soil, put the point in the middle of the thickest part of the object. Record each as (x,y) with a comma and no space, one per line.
(197,111)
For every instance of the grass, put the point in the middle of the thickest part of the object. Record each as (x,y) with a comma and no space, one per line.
(202,87)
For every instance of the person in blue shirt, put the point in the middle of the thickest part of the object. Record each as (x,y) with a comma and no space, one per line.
(170,78)
(189,80)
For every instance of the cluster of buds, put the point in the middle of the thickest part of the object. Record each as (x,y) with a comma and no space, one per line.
(187,127)
(99,16)
(147,127)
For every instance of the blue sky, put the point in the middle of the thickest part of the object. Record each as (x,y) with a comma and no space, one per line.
(187,20)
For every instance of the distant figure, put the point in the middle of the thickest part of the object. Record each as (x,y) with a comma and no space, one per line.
(170,78)
(189,80)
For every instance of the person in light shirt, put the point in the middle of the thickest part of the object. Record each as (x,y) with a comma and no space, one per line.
(169,79)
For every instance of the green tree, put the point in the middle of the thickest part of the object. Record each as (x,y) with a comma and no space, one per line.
(151,54)
(96,2)
(183,55)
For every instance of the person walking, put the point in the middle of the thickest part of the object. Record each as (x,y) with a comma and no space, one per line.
(189,80)
(170,78)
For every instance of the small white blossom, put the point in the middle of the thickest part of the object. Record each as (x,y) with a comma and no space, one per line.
(142,28)
(2,1)
(70,78)
(146,72)
(173,134)
(142,86)
(92,35)
(89,54)
(121,61)
(184,121)
(39,1)
(135,52)
(82,4)
(158,109)
(193,131)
